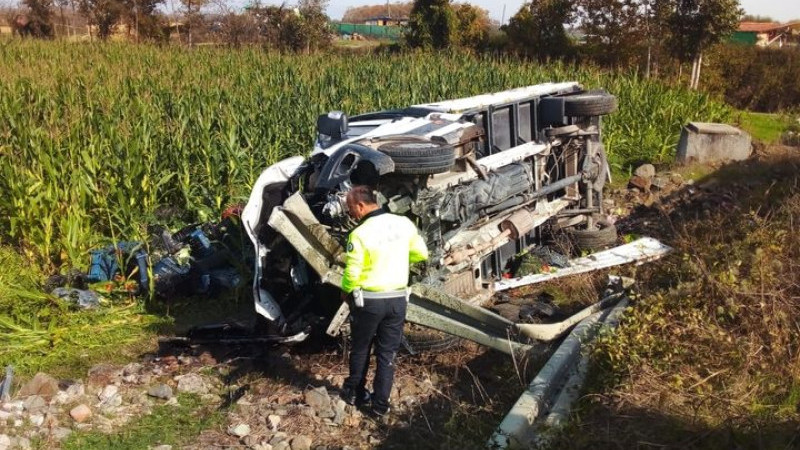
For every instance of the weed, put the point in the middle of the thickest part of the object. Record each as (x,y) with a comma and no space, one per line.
(166,425)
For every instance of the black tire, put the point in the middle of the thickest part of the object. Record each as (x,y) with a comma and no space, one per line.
(593,103)
(603,237)
(421,339)
(420,158)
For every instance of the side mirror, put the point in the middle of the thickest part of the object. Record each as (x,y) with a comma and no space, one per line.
(333,124)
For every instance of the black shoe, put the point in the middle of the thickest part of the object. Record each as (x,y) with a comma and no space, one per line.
(351,398)
(379,412)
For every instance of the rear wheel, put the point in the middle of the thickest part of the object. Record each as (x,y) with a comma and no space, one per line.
(603,234)
(420,158)
(592,103)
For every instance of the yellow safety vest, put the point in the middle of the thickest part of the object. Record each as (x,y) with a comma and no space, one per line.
(379,252)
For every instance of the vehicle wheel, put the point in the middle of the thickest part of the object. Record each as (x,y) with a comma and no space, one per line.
(604,235)
(592,103)
(422,339)
(420,158)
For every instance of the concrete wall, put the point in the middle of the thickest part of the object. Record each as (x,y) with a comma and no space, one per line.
(711,142)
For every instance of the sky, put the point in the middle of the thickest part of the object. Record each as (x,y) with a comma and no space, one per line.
(781,10)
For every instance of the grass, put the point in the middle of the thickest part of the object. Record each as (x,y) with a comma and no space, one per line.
(764,127)
(166,425)
(708,357)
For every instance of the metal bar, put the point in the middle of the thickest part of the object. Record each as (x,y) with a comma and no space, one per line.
(282,223)
(550,331)
(456,305)
(419,315)
(639,251)
(515,430)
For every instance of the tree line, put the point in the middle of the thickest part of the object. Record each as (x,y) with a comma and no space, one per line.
(302,26)
(615,33)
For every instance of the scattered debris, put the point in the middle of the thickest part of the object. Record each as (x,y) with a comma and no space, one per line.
(5,386)
(81,297)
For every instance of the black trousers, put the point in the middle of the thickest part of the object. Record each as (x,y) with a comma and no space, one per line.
(378,323)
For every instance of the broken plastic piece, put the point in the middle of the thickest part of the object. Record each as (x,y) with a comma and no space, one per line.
(82,298)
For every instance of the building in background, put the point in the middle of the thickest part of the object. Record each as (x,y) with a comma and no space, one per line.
(767,34)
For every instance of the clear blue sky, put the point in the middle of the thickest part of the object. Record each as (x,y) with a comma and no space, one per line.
(781,10)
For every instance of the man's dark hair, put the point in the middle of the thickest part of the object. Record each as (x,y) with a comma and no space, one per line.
(363,194)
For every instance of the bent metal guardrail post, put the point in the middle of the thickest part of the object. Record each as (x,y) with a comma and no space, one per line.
(517,428)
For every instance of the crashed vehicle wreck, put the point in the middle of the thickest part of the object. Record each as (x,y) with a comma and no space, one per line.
(477,175)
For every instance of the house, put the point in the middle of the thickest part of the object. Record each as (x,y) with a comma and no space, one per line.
(766,34)
(386,21)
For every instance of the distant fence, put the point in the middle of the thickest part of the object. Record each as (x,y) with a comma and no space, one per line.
(373,31)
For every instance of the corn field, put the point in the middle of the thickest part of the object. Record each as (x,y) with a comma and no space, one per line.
(97,141)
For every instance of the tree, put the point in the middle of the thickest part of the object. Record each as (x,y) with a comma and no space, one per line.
(104,14)
(696,25)
(192,16)
(303,28)
(360,14)
(473,25)
(617,31)
(432,24)
(143,19)
(538,29)
(39,18)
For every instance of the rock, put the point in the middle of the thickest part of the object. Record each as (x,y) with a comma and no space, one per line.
(373,441)
(240,430)
(301,442)
(5,442)
(318,398)
(645,171)
(163,447)
(133,368)
(262,446)
(42,385)
(172,402)
(676,179)
(61,433)
(161,391)
(4,415)
(14,407)
(640,183)
(273,421)
(76,389)
(103,374)
(659,183)
(21,442)
(282,445)
(35,403)
(192,383)
(37,420)
(108,392)
(80,413)
(340,411)
(277,438)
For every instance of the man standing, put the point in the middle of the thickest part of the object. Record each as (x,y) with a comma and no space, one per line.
(379,252)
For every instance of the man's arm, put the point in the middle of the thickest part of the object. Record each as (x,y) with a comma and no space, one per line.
(354,264)
(417,250)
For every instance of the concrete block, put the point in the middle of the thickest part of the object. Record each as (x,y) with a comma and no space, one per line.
(712,142)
